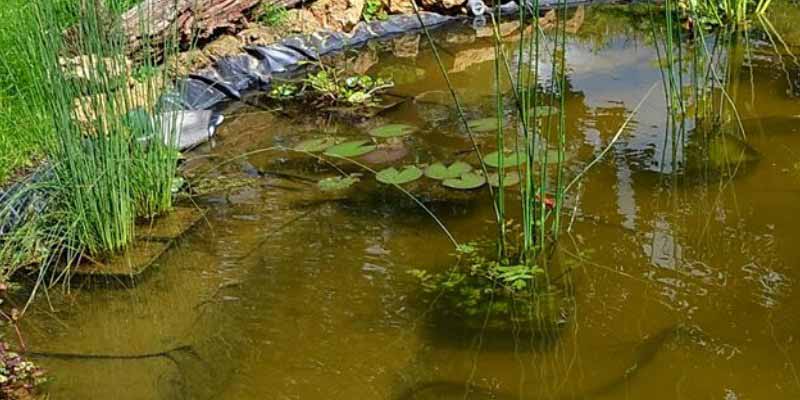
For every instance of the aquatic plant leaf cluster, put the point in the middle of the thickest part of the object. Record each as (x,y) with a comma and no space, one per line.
(393,176)
(467,181)
(441,172)
(350,149)
(489,294)
(392,130)
(331,87)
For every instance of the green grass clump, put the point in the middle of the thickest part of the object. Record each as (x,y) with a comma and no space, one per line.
(109,158)
(273,15)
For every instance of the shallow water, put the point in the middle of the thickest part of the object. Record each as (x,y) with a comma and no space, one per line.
(684,284)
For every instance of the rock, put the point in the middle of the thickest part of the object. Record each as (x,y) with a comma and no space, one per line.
(337,15)
(259,35)
(301,21)
(225,46)
(398,6)
(442,4)
(406,46)
(467,58)
(183,64)
(362,63)
(505,29)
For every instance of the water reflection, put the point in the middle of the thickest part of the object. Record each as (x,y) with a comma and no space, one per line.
(681,288)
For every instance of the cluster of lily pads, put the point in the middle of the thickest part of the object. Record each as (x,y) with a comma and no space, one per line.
(458,175)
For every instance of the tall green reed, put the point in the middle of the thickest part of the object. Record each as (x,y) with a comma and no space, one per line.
(110,160)
(539,224)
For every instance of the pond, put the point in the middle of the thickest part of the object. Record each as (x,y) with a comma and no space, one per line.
(682,280)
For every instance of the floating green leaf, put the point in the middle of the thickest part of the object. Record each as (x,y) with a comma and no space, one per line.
(392,176)
(440,172)
(510,159)
(483,124)
(315,145)
(336,183)
(393,130)
(466,181)
(509,179)
(350,149)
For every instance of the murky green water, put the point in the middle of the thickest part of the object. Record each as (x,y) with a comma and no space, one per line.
(686,289)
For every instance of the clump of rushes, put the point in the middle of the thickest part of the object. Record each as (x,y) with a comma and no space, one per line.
(723,12)
(110,159)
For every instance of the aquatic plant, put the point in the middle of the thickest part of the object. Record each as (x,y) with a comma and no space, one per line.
(722,12)
(392,130)
(110,151)
(394,176)
(331,87)
(441,172)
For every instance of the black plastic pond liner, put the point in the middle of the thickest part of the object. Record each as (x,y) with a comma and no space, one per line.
(229,77)
(196,97)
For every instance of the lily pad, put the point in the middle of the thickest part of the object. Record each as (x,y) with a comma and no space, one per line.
(336,183)
(551,154)
(316,145)
(509,179)
(510,159)
(392,176)
(483,125)
(467,181)
(542,111)
(440,172)
(353,148)
(393,130)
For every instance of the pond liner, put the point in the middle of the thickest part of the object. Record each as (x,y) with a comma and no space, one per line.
(197,97)
(232,76)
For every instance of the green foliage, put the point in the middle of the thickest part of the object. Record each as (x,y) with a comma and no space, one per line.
(392,130)
(467,181)
(440,172)
(482,293)
(721,12)
(373,9)
(350,149)
(111,159)
(329,87)
(392,176)
(509,179)
(273,14)
(508,158)
(284,91)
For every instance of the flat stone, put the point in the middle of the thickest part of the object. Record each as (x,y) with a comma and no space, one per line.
(169,227)
(133,262)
